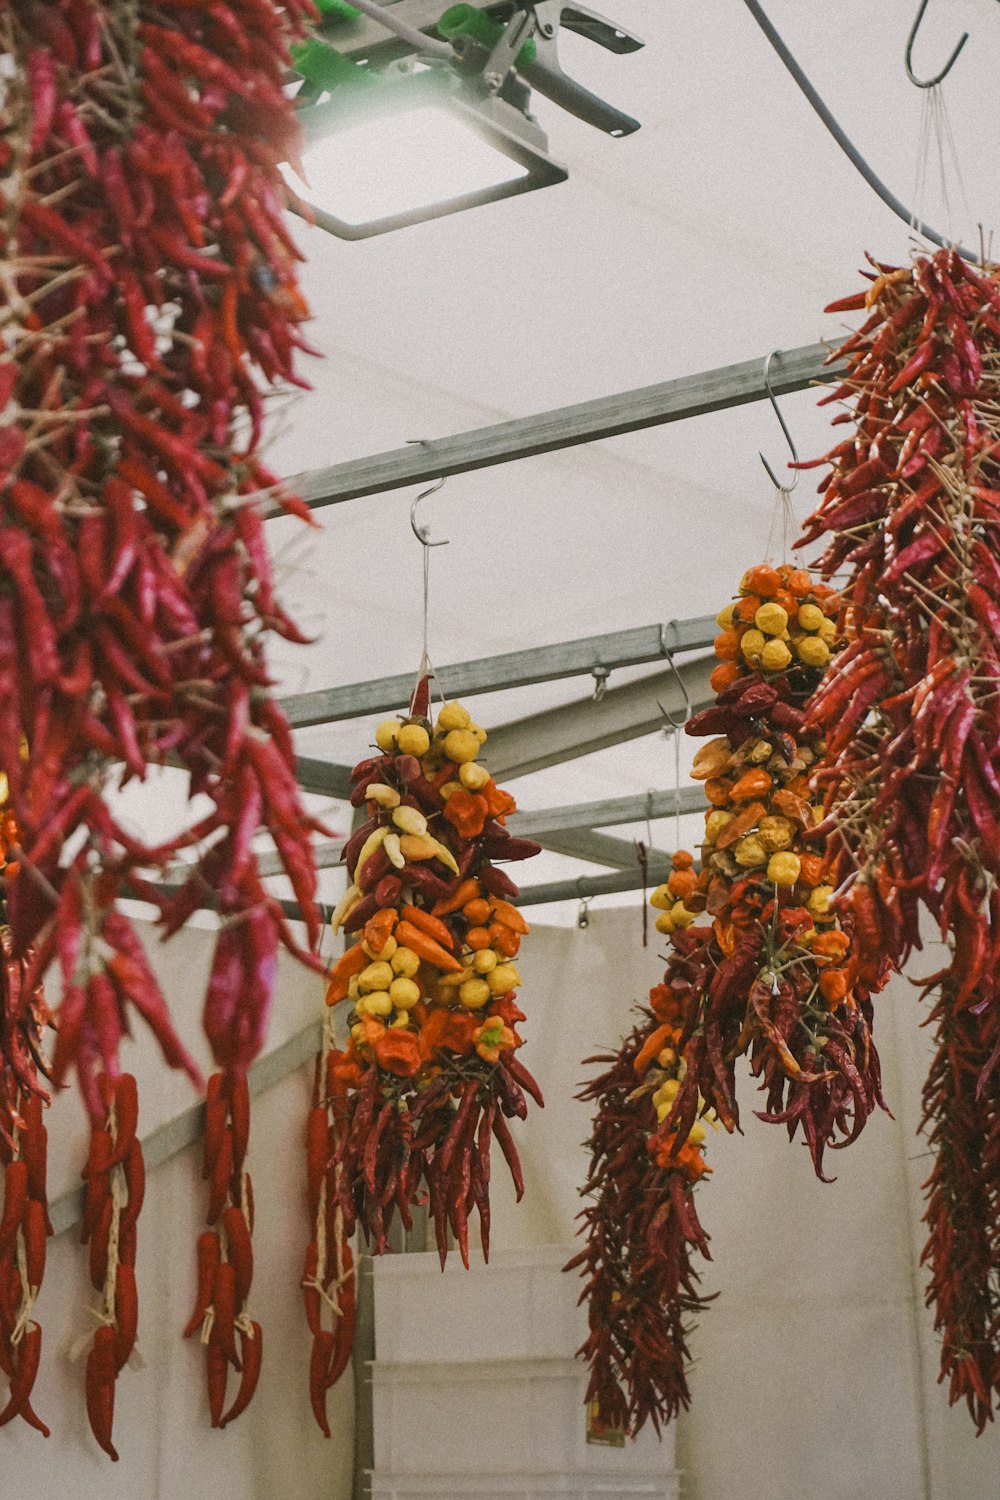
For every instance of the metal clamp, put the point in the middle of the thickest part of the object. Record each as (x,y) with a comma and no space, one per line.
(539,20)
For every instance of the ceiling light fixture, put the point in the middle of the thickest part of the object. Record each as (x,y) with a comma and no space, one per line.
(405,127)
(415,148)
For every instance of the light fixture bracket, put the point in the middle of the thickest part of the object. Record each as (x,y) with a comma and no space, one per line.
(495,121)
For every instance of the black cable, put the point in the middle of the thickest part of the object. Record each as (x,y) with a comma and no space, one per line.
(845,143)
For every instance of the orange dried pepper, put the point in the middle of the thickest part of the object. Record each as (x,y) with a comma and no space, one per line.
(727,645)
(830,944)
(466,892)
(745,608)
(760,580)
(426,948)
(509,916)
(724,675)
(467,812)
(351,962)
(398,1051)
(681,883)
(499,802)
(378,929)
(504,939)
(718,791)
(812,869)
(448,1029)
(477,912)
(741,824)
(754,783)
(651,1048)
(477,938)
(833,987)
(427,922)
(492,1038)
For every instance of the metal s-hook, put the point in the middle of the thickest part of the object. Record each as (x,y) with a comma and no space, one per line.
(929,83)
(420,532)
(583,914)
(784,427)
(672,723)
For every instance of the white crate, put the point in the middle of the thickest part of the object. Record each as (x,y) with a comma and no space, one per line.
(520,1306)
(524,1487)
(475,1390)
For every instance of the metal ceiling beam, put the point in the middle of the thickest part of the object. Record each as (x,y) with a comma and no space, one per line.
(323,778)
(564,427)
(547,824)
(600,849)
(652,805)
(565,733)
(491,674)
(585,726)
(586,885)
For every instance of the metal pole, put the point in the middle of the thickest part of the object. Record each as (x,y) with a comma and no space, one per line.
(564,427)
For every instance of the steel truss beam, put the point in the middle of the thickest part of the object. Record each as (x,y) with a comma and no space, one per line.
(564,427)
(491,674)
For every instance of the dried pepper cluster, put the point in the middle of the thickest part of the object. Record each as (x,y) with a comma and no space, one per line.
(25,1224)
(150,301)
(329,1291)
(775,975)
(641,1226)
(150,286)
(429,1073)
(225,1252)
(24,1229)
(911,770)
(115,1177)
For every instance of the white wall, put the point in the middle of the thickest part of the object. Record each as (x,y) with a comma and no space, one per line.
(167,1447)
(814,1371)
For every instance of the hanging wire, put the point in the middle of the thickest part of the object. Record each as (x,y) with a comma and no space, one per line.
(844,141)
(929,83)
(673,727)
(937,141)
(778,484)
(782,515)
(423,536)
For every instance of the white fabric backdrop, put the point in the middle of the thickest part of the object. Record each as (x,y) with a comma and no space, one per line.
(168,1450)
(815,1369)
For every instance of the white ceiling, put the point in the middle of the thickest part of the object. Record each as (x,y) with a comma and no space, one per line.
(713,235)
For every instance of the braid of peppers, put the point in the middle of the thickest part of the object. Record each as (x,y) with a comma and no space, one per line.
(911,771)
(776,975)
(115,1181)
(328,1280)
(225,1251)
(150,299)
(641,1229)
(431,982)
(25,1224)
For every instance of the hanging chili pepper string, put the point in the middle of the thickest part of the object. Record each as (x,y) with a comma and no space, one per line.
(141,592)
(429,1070)
(910,772)
(328,1280)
